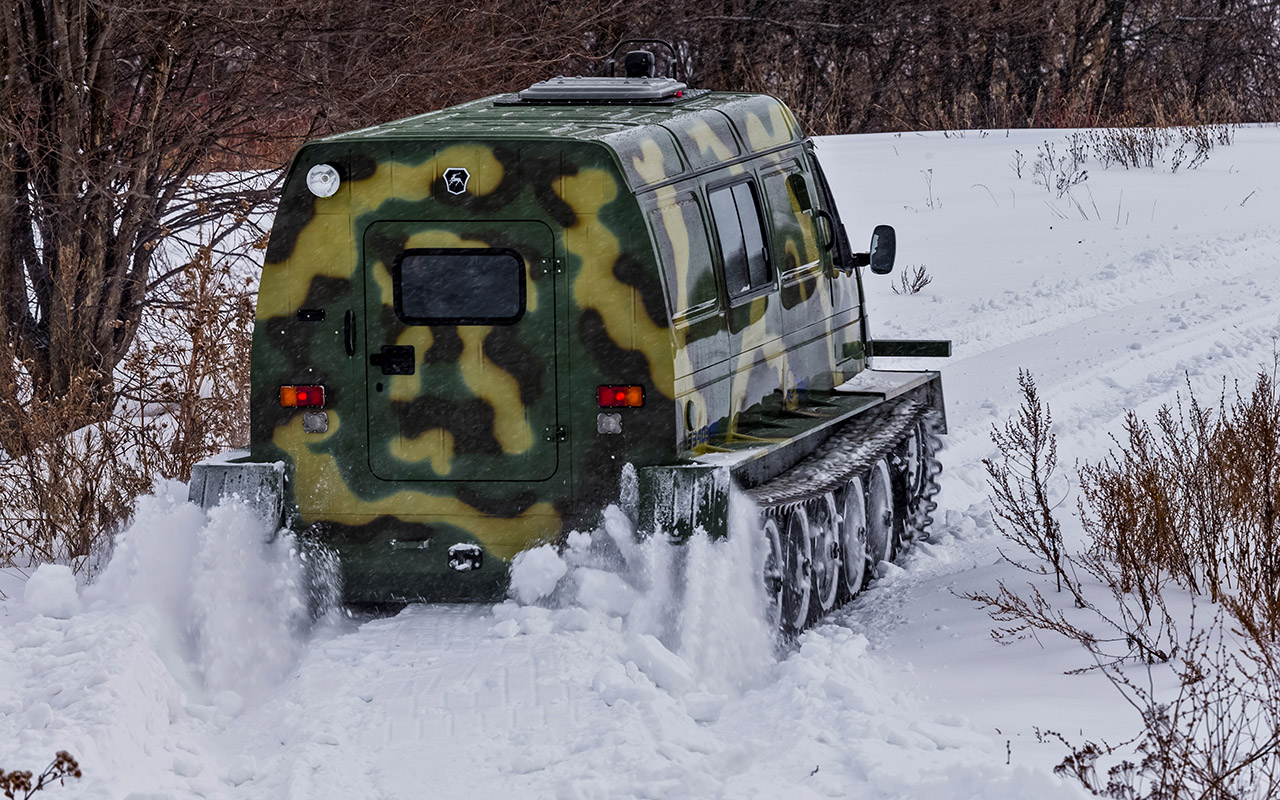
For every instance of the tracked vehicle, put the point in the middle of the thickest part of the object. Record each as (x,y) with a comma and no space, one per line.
(471,320)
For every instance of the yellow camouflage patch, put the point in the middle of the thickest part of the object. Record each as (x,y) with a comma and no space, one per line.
(777,133)
(497,387)
(405,388)
(596,287)
(322,494)
(435,445)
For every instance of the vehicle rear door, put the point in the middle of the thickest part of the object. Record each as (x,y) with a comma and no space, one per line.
(460,321)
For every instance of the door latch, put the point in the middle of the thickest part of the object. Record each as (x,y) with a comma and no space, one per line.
(394,359)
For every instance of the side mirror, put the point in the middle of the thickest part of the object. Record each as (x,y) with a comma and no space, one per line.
(884,246)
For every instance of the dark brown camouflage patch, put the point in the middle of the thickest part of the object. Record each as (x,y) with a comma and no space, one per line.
(470,422)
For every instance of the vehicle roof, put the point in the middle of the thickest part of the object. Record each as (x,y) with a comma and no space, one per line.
(653,143)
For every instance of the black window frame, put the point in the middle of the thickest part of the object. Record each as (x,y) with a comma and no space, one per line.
(842,251)
(397,276)
(755,290)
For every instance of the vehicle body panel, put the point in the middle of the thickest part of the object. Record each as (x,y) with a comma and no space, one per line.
(495,438)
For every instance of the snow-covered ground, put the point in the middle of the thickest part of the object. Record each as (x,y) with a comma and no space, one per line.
(189,668)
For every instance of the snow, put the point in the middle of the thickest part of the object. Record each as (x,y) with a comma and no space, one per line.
(205,660)
(535,573)
(51,591)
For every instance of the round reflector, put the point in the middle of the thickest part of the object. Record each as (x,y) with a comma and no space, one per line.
(322,180)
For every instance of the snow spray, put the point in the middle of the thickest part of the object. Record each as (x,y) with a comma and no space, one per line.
(229,600)
(703,599)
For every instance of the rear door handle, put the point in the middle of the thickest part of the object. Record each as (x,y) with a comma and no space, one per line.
(349,332)
(394,359)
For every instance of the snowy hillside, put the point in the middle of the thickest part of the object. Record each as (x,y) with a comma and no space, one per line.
(187,669)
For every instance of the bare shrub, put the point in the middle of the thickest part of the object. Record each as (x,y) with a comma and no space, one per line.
(187,381)
(66,493)
(1133,147)
(1195,500)
(1122,635)
(1059,173)
(911,280)
(1019,482)
(183,392)
(932,202)
(62,767)
(1130,147)
(1025,514)
(1217,736)
(1190,503)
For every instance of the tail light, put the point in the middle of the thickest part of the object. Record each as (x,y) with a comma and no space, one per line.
(301,396)
(620,396)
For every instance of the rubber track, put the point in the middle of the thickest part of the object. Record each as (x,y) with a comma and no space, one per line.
(922,507)
(847,453)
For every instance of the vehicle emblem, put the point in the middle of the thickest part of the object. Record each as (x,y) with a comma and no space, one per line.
(455,179)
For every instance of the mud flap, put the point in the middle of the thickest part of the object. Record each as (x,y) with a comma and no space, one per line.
(259,485)
(682,500)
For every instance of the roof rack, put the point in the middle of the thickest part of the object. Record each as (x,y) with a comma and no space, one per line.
(597,90)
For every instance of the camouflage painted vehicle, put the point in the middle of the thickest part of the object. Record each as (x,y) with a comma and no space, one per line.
(470,320)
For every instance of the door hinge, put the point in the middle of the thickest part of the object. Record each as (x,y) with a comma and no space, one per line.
(555,265)
(556,434)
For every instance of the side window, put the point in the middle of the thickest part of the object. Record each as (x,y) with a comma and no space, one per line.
(685,253)
(795,239)
(736,211)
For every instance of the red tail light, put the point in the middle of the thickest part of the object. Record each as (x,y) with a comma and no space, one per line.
(302,396)
(620,396)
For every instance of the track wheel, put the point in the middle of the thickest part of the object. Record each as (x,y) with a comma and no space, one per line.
(773,568)
(853,537)
(910,466)
(797,571)
(911,460)
(881,523)
(827,549)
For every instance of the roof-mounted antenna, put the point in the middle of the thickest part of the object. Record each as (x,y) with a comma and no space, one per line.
(642,63)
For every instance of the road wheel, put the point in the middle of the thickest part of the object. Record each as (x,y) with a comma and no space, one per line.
(825,529)
(881,522)
(853,538)
(797,570)
(910,465)
(774,577)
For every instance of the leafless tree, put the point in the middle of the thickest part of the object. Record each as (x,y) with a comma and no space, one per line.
(108,112)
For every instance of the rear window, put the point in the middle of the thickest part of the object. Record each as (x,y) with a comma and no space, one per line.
(459,286)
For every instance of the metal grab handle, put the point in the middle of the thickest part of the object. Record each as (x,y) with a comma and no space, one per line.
(349,332)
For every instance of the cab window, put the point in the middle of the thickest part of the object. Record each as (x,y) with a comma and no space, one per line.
(736,211)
